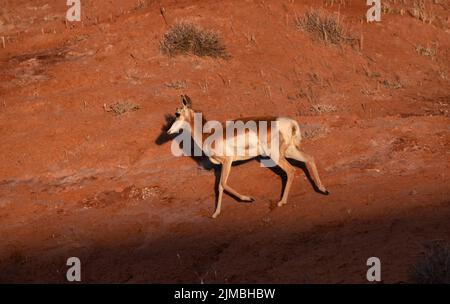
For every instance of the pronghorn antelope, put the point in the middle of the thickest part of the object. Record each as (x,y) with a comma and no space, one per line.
(287,146)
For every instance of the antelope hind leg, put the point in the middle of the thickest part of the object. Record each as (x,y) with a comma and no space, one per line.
(294,153)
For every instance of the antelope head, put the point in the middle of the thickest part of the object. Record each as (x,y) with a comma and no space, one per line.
(183,115)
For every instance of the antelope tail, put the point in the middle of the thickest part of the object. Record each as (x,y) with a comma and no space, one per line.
(296,134)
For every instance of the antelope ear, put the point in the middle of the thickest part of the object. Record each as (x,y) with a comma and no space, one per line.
(183,101)
(186,101)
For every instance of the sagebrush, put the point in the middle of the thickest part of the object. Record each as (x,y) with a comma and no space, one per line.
(323,26)
(188,38)
(122,107)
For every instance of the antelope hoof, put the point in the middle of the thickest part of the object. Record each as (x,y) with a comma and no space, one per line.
(247,199)
(215,215)
(281,203)
(324,191)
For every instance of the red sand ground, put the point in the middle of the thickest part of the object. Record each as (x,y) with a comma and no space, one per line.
(78,181)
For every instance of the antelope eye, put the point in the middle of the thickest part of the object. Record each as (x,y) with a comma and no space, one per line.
(177,114)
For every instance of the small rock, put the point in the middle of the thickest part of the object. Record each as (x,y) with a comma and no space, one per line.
(413,192)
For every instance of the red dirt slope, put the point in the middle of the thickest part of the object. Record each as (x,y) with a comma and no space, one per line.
(78,181)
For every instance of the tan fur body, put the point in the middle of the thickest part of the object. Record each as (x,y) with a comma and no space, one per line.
(288,146)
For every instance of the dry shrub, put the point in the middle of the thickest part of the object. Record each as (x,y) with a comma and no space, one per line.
(393,85)
(324,27)
(177,85)
(323,108)
(337,2)
(434,267)
(120,108)
(420,12)
(187,38)
(425,51)
(314,131)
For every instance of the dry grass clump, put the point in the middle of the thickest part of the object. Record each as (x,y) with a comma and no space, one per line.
(323,108)
(425,51)
(324,27)
(187,38)
(434,267)
(419,9)
(420,12)
(177,85)
(141,4)
(123,107)
(337,2)
(314,131)
(392,84)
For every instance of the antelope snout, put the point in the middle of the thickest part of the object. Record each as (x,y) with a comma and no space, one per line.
(173,129)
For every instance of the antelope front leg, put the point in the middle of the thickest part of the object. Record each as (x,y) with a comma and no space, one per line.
(226,167)
(237,194)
